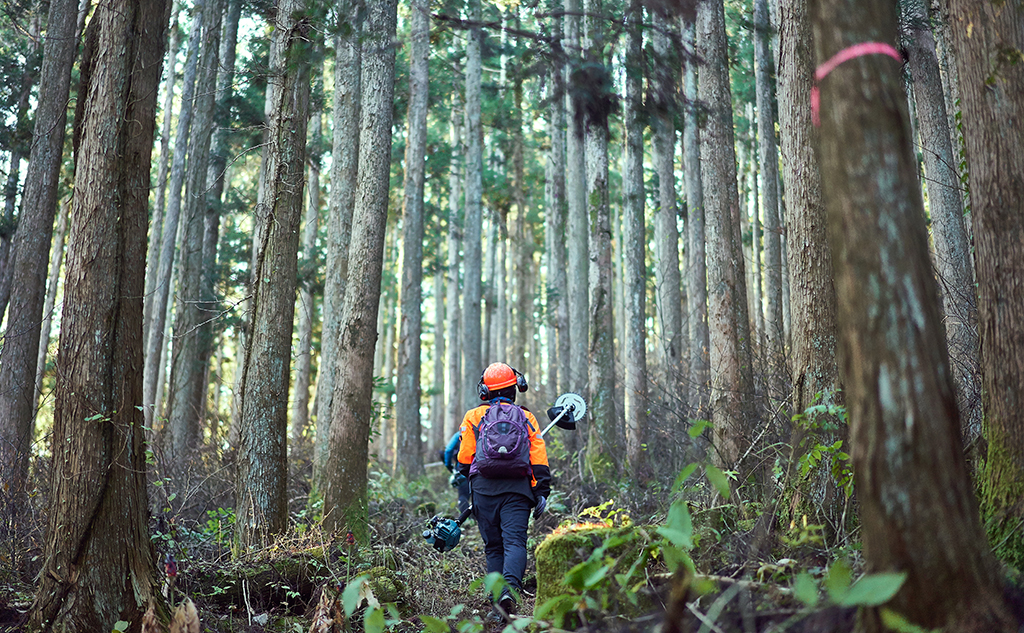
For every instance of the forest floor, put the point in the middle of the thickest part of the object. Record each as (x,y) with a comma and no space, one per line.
(282,588)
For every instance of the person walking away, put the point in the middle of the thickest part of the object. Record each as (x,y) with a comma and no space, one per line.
(506,462)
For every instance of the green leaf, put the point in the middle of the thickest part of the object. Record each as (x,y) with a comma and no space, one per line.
(873,589)
(596,576)
(557,606)
(898,623)
(433,625)
(719,480)
(494,582)
(684,474)
(805,589)
(120,626)
(676,557)
(837,583)
(576,577)
(677,537)
(373,622)
(350,598)
(679,521)
(698,427)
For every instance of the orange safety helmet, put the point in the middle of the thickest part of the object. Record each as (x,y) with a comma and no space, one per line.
(498,376)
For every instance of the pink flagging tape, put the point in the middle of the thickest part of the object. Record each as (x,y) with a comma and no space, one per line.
(857,50)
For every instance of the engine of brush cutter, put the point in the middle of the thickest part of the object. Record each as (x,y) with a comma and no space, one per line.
(443,534)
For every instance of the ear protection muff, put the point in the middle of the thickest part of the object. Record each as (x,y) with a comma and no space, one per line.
(481,388)
(521,384)
(485,391)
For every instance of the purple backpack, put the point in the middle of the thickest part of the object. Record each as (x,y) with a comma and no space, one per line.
(502,444)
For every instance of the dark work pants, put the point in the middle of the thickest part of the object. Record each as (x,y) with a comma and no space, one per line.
(503,520)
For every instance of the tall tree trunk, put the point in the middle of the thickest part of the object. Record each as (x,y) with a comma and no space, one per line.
(32,247)
(524,245)
(813,302)
(156,225)
(577,226)
(952,254)
(186,400)
(437,438)
(700,367)
(306,303)
(731,379)
(502,320)
(918,513)
(605,436)
(409,457)
(344,162)
(472,225)
(664,67)
(53,280)
(492,243)
(558,298)
(455,351)
(155,342)
(345,470)
(8,223)
(260,494)
(992,90)
(813,360)
(774,329)
(216,177)
(634,245)
(98,561)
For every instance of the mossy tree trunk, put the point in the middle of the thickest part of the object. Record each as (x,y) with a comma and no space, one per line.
(917,509)
(989,41)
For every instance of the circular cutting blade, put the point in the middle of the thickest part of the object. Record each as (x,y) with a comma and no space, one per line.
(574,400)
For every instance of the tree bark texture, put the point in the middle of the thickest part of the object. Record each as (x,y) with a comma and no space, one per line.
(472,333)
(306,303)
(98,559)
(260,496)
(731,372)
(577,228)
(697,271)
(558,291)
(344,163)
(989,41)
(605,439)
(918,512)
(28,268)
(768,154)
(345,470)
(409,455)
(454,311)
(815,370)
(664,67)
(634,246)
(437,438)
(952,254)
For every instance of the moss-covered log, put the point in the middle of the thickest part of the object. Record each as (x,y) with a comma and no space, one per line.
(616,584)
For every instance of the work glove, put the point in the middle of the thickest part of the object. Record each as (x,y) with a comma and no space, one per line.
(456,479)
(542,505)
